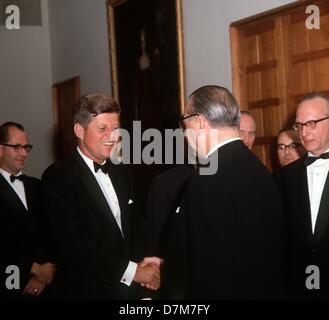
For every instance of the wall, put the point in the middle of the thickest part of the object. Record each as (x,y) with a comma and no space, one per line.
(73,40)
(79,43)
(25,87)
(206,37)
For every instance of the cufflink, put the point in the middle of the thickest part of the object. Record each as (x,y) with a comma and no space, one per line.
(177,210)
(130,201)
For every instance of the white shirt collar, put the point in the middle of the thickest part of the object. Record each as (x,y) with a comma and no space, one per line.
(217,146)
(312,155)
(7,175)
(87,160)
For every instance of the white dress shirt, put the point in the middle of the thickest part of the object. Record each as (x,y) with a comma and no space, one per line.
(316,178)
(217,146)
(105,183)
(17,185)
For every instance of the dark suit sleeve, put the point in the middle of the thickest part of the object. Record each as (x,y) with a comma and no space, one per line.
(158,211)
(74,241)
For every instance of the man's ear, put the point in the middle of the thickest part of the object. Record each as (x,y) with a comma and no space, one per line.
(201,122)
(79,131)
(1,150)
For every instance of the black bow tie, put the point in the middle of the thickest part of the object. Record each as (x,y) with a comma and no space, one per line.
(310,160)
(20,177)
(103,167)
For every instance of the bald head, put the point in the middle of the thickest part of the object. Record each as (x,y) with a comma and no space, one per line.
(247,129)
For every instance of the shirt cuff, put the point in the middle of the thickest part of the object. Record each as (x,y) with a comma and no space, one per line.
(129,274)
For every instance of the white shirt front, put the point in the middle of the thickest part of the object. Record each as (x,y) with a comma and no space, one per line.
(17,185)
(105,183)
(316,178)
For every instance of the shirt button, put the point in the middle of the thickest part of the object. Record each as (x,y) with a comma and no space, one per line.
(124,280)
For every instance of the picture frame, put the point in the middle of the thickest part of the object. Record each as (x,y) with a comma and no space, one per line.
(147,60)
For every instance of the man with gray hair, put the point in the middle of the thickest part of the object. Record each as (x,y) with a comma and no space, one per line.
(304,185)
(233,217)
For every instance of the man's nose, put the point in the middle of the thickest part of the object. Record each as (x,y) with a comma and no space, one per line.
(246,138)
(303,131)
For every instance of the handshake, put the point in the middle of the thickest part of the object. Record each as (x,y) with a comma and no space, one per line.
(148,273)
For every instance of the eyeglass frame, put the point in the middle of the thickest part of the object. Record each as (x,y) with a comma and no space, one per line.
(19,147)
(307,124)
(288,146)
(182,118)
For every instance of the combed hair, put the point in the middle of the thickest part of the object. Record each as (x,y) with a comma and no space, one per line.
(288,130)
(4,128)
(217,105)
(91,105)
(315,95)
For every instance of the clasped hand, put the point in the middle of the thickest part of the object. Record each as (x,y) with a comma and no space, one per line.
(148,273)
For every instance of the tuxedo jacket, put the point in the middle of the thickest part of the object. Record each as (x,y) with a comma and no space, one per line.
(164,199)
(94,254)
(233,229)
(302,247)
(164,207)
(21,230)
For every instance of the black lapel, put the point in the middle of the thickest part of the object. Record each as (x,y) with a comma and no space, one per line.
(304,200)
(95,191)
(32,198)
(323,214)
(9,194)
(116,179)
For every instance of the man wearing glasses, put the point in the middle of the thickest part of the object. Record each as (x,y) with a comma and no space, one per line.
(233,217)
(22,232)
(289,147)
(305,190)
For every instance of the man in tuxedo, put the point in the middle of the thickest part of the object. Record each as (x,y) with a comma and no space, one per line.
(304,186)
(23,227)
(233,217)
(92,212)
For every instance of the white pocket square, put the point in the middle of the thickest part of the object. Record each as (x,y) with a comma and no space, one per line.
(177,210)
(130,201)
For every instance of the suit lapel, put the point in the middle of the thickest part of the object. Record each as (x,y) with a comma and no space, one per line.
(304,199)
(30,195)
(323,214)
(114,174)
(95,192)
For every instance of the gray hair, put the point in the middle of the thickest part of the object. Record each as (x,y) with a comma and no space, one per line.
(217,105)
(315,95)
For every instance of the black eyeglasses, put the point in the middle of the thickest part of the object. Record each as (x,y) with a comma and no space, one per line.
(19,147)
(182,118)
(298,126)
(292,146)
